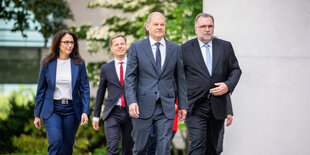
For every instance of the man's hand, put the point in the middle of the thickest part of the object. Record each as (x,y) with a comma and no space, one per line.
(182,114)
(229,120)
(96,125)
(84,119)
(37,122)
(220,89)
(134,110)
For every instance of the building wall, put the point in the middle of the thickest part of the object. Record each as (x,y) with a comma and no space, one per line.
(271,105)
(94,16)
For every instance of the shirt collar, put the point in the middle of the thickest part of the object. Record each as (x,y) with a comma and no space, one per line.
(201,44)
(162,41)
(118,61)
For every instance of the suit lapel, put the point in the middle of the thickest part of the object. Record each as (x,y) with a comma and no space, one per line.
(74,73)
(149,52)
(215,54)
(199,58)
(114,74)
(168,55)
(52,70)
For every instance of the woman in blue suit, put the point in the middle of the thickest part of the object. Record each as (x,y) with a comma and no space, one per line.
(62,98)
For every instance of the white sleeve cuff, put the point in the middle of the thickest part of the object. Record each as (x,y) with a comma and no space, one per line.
(96,119)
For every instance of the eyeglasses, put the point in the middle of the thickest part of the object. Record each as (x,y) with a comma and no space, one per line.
(157,25)
(206,26)
(67,43)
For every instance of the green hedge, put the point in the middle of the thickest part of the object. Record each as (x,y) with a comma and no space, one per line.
(19,136)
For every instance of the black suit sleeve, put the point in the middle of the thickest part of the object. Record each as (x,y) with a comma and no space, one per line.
(100,93)
(180,81)
(229,105)
(234,69)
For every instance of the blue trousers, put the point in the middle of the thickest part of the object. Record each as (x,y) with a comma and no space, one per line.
(152,142)
(61,128)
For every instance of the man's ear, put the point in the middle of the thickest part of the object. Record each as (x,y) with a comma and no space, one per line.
(147,26)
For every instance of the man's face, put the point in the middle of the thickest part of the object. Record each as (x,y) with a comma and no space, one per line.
(119,47)
(204,29)
(156,27)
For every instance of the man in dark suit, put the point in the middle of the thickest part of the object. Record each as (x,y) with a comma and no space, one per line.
(154,78)
(212,72)
(115,116)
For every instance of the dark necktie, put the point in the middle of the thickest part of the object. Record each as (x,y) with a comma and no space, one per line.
(158,63)
(121,76)
(158,57)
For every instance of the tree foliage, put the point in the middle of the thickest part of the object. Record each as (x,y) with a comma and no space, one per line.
(47,16)
(180,16)
(18,109)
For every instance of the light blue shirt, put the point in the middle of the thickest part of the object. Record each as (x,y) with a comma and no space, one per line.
(203,50)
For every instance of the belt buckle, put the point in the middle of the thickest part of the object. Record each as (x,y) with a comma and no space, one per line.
(64,101)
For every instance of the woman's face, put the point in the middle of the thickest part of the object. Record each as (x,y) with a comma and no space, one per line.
(66,45)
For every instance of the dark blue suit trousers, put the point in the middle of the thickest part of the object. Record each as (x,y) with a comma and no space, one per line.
(61,128)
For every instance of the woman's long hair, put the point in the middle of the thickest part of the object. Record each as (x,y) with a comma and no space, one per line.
(54,50)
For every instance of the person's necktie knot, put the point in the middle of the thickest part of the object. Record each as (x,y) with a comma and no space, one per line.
(157,44)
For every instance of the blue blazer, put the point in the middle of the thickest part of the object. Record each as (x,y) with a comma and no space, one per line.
(44,105)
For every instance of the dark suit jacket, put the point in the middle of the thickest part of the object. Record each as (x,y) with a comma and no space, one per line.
(44,105)
(143,81)
(110,81)
(199,82)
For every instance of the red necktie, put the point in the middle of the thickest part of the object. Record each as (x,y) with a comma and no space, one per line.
(121,76)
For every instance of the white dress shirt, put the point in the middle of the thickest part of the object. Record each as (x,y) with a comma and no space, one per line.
(63,86)
(162,48)
(203,50)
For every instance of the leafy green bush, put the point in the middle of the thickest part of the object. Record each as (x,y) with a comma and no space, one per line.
(19,109)
(19,136)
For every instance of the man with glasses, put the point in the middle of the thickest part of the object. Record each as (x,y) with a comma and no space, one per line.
(212,72)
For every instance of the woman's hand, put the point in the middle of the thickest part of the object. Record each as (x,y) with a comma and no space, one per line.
(37,122)
(84,119)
